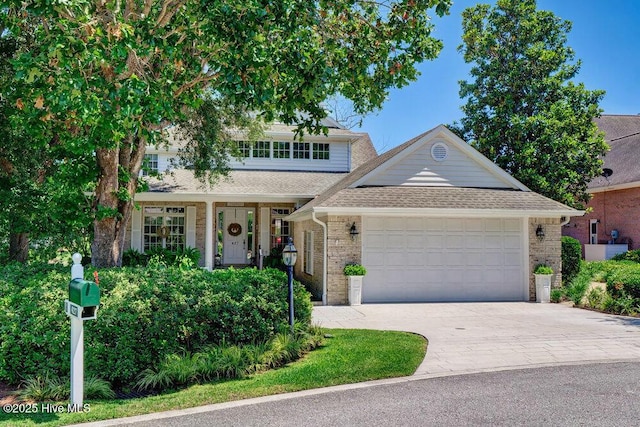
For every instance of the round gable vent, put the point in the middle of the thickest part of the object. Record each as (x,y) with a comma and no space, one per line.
(439,151)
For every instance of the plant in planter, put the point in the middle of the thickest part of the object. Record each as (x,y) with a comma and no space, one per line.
(543,269)
(543,274)
(354,272)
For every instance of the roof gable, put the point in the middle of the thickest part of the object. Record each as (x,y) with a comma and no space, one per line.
(437,158)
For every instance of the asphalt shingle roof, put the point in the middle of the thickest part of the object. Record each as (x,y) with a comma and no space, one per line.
(249,182)
(441,198)
(622,133)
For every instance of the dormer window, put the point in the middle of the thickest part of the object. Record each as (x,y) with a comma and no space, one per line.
(262,150)
(281,150)
(301,150)
(320,151)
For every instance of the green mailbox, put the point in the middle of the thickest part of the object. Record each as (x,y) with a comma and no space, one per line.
(84,293)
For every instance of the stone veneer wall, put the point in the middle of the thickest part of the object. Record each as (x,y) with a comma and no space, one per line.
(548,251)
(342,250)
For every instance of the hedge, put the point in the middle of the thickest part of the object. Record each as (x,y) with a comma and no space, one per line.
(145,314)
(624,279)
(571,258)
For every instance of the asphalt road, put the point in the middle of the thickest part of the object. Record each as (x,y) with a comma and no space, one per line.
(603,394)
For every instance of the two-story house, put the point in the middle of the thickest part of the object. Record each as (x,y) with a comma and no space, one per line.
(431,220)
(244,212)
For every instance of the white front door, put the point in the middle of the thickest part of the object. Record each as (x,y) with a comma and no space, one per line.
(234,247)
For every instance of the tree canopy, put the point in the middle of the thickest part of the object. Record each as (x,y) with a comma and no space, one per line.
(111,74)
(41,187)
(523,108)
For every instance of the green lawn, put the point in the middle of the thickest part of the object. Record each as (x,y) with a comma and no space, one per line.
(348,356)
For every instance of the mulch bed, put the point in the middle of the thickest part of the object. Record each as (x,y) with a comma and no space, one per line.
(7,394)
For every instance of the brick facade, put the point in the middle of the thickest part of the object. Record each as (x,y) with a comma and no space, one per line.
(616,210)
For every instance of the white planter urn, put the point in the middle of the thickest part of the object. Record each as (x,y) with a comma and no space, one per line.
(543,287)
(355,290)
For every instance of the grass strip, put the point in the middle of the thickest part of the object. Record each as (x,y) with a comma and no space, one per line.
(348,356)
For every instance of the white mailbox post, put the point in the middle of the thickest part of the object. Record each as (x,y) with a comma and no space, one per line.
(84,298)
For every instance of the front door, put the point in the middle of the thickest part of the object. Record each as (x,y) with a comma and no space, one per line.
(235,246)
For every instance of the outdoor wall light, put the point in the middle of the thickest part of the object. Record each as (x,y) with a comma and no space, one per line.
(353,231)
(540,233)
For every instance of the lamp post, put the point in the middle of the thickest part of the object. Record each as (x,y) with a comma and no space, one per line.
(289,258)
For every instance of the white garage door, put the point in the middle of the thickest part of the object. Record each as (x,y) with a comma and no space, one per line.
(412,259)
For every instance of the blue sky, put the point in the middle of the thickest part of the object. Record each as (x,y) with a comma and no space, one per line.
(605,36)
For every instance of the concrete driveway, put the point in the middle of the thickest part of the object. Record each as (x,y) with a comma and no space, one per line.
(482,337)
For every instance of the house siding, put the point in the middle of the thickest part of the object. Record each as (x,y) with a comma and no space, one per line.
(616,210)
(420,169)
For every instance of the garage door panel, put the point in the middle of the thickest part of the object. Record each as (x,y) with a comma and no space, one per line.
(415,241)
(394,224)
(475,258)
(443,259)
(415,259)
(435,224)
(494,242)
(375,241)
(434,259)
(415,224)
(474,241)
(454,259)
(454,225)
(455,241)
(433,242)
(395,259)
(512,242)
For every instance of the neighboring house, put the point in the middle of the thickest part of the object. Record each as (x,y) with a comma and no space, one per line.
(612,224)
(437,221)
(231,221)
(431,220)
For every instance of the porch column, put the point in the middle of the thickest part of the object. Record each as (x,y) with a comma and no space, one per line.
(208,235)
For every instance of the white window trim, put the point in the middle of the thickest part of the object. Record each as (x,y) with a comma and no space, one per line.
(308,252)
(593,237)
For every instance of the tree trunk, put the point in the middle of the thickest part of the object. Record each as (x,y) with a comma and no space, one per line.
(114,199)
(19,247)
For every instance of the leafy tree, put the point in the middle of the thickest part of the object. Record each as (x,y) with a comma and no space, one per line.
(40,191)
(523,110)
(118,72)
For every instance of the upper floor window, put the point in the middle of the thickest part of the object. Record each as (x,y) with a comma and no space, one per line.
(281,150)
(262,150)
(150,164)
(320,151)
(244,148)
(301,150)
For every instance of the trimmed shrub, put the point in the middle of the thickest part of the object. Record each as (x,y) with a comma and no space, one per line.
(571,258)
(144,315)
(624,280)
(628,256)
